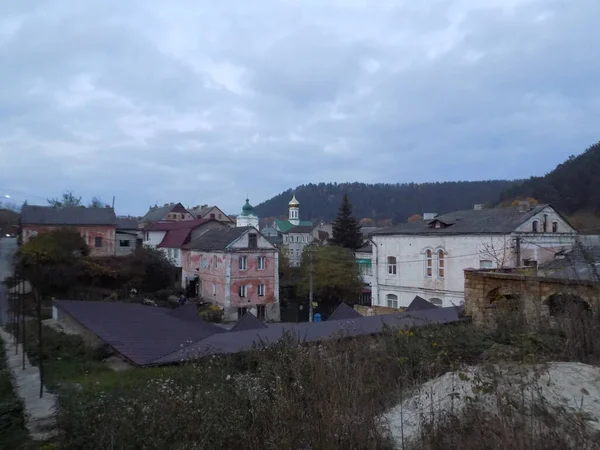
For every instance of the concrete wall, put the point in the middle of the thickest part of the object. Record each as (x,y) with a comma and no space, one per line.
(375,310)
(89,338)
(125,237)
(89,233)
(153,238)
(294,244)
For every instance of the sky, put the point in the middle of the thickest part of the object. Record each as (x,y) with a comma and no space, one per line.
(206,102)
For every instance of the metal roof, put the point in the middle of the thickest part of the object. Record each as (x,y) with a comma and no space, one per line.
(420,304)
(218,239)
(158,213)
(495,220)
(248,322)
(344,312)
(127,223)
(75,216)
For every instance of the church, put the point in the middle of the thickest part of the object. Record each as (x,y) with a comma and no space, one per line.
(296,233)
(247,218)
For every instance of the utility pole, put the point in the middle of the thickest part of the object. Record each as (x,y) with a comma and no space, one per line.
(17,311)
(310,283)
(39,317)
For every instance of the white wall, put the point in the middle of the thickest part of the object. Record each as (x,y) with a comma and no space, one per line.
(246,221)
(242,241)
(153,238)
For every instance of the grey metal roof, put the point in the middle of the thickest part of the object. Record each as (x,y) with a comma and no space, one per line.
(366,248)
(275,240)
(344,312)
(127,223)
(248,322)
(496,220)
(217,239)
(240,341)
(140,333)
(580,263)
(269,231)
(76,216)
(420,304)
(158,213)
(201,211)
(300,229)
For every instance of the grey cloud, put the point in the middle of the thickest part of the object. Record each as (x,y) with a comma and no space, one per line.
(205,103)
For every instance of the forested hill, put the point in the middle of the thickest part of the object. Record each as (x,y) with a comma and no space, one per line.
(382,202)
(573,187)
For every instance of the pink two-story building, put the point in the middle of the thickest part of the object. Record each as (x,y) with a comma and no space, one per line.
(235,268)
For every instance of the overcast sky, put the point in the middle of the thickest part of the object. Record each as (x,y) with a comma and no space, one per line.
(205,101)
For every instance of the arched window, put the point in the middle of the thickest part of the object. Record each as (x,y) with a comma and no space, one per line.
(545,223)
(535,226)
(392,300)
(391,260)
(436,301)
(555,227)
(428,263)
(441,265)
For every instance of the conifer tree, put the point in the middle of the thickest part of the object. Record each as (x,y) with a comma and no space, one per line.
(346,229)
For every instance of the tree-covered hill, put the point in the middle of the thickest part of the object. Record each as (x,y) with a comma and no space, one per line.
(573,187)
(384,203)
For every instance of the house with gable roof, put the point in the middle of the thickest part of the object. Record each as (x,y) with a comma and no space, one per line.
(428,258)
(169,212)
(235,268)
(210,212)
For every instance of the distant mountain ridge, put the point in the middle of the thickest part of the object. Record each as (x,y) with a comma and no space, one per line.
(384,202)
(572,187)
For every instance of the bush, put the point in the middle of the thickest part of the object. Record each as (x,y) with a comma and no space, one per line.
(211,313)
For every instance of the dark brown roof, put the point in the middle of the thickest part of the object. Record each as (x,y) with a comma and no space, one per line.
(74,216)
(158,213)
(218,239)
(248,322)
(420,304)
(344,312)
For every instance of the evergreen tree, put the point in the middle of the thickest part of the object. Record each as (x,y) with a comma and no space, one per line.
(346,229)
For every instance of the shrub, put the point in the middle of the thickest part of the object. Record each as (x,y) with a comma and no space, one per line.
(211,313)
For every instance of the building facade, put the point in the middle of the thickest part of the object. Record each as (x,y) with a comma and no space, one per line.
(210,212)
(128,237)
(364,259)
(428,258)
(247,218)
(235,268)
(169,212)
(296,234)
(97,226)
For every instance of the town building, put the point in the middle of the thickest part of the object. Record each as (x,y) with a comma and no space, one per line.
(169,212)
(128,236)
(235,268)
(97,226)
(170,237)
(428,258)
(296,233)
(364,260)
(247,218)
(210,212)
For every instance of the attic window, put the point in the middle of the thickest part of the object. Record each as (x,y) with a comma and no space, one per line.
(252,240)
(212,216)
(535,226)
(554,227)
(438,224)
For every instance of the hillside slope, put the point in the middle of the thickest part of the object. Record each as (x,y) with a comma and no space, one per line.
(573,187)
(384,201)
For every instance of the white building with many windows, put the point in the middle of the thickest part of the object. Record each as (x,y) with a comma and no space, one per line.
(428,258)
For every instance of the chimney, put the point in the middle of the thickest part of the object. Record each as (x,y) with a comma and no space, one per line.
(429,216)
(524,206)
(477,207)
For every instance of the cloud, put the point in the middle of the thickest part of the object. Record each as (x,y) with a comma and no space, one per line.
(202,103)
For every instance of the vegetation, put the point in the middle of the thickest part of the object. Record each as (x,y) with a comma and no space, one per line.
(66,200)
(324,396)
(346,229)
(9,221)
(13,434)
(573,187)
(382,203)
(211,313)
(336,276)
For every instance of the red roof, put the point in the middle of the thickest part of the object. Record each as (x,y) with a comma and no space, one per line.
(179,225)
(175,238)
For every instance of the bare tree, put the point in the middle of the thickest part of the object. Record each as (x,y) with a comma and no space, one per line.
(498,250)
(67,199)
(96,202)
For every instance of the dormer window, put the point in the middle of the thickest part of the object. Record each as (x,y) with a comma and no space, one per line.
(535,226)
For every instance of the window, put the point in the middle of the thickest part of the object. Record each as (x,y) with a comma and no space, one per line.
(97,242)
(146,236)
(242,263)
(261,290)
(260,312)
(534,226)
(241,312)
(242,291)
(297,238)
(440,263)
(436,301)
(124,243)
(554,227)
(215,261)
(429,263)
(214,289)
(545,223)
(392,300)
(391,265)
(252,240)
(176,253)
(261,263)
(212,216)
(486,264)
(182,216)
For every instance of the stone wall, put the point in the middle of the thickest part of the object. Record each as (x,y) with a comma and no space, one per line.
(532,292)
(376,310)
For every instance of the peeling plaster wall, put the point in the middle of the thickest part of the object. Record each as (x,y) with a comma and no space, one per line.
(89,234)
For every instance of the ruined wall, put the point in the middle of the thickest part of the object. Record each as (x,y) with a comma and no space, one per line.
(107,233)
(532,291)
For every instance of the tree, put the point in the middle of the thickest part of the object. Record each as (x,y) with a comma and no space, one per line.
(67,199)
(285,269)
(415,218)
(53,261)
(346,229)
(96,202)
(336,276)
